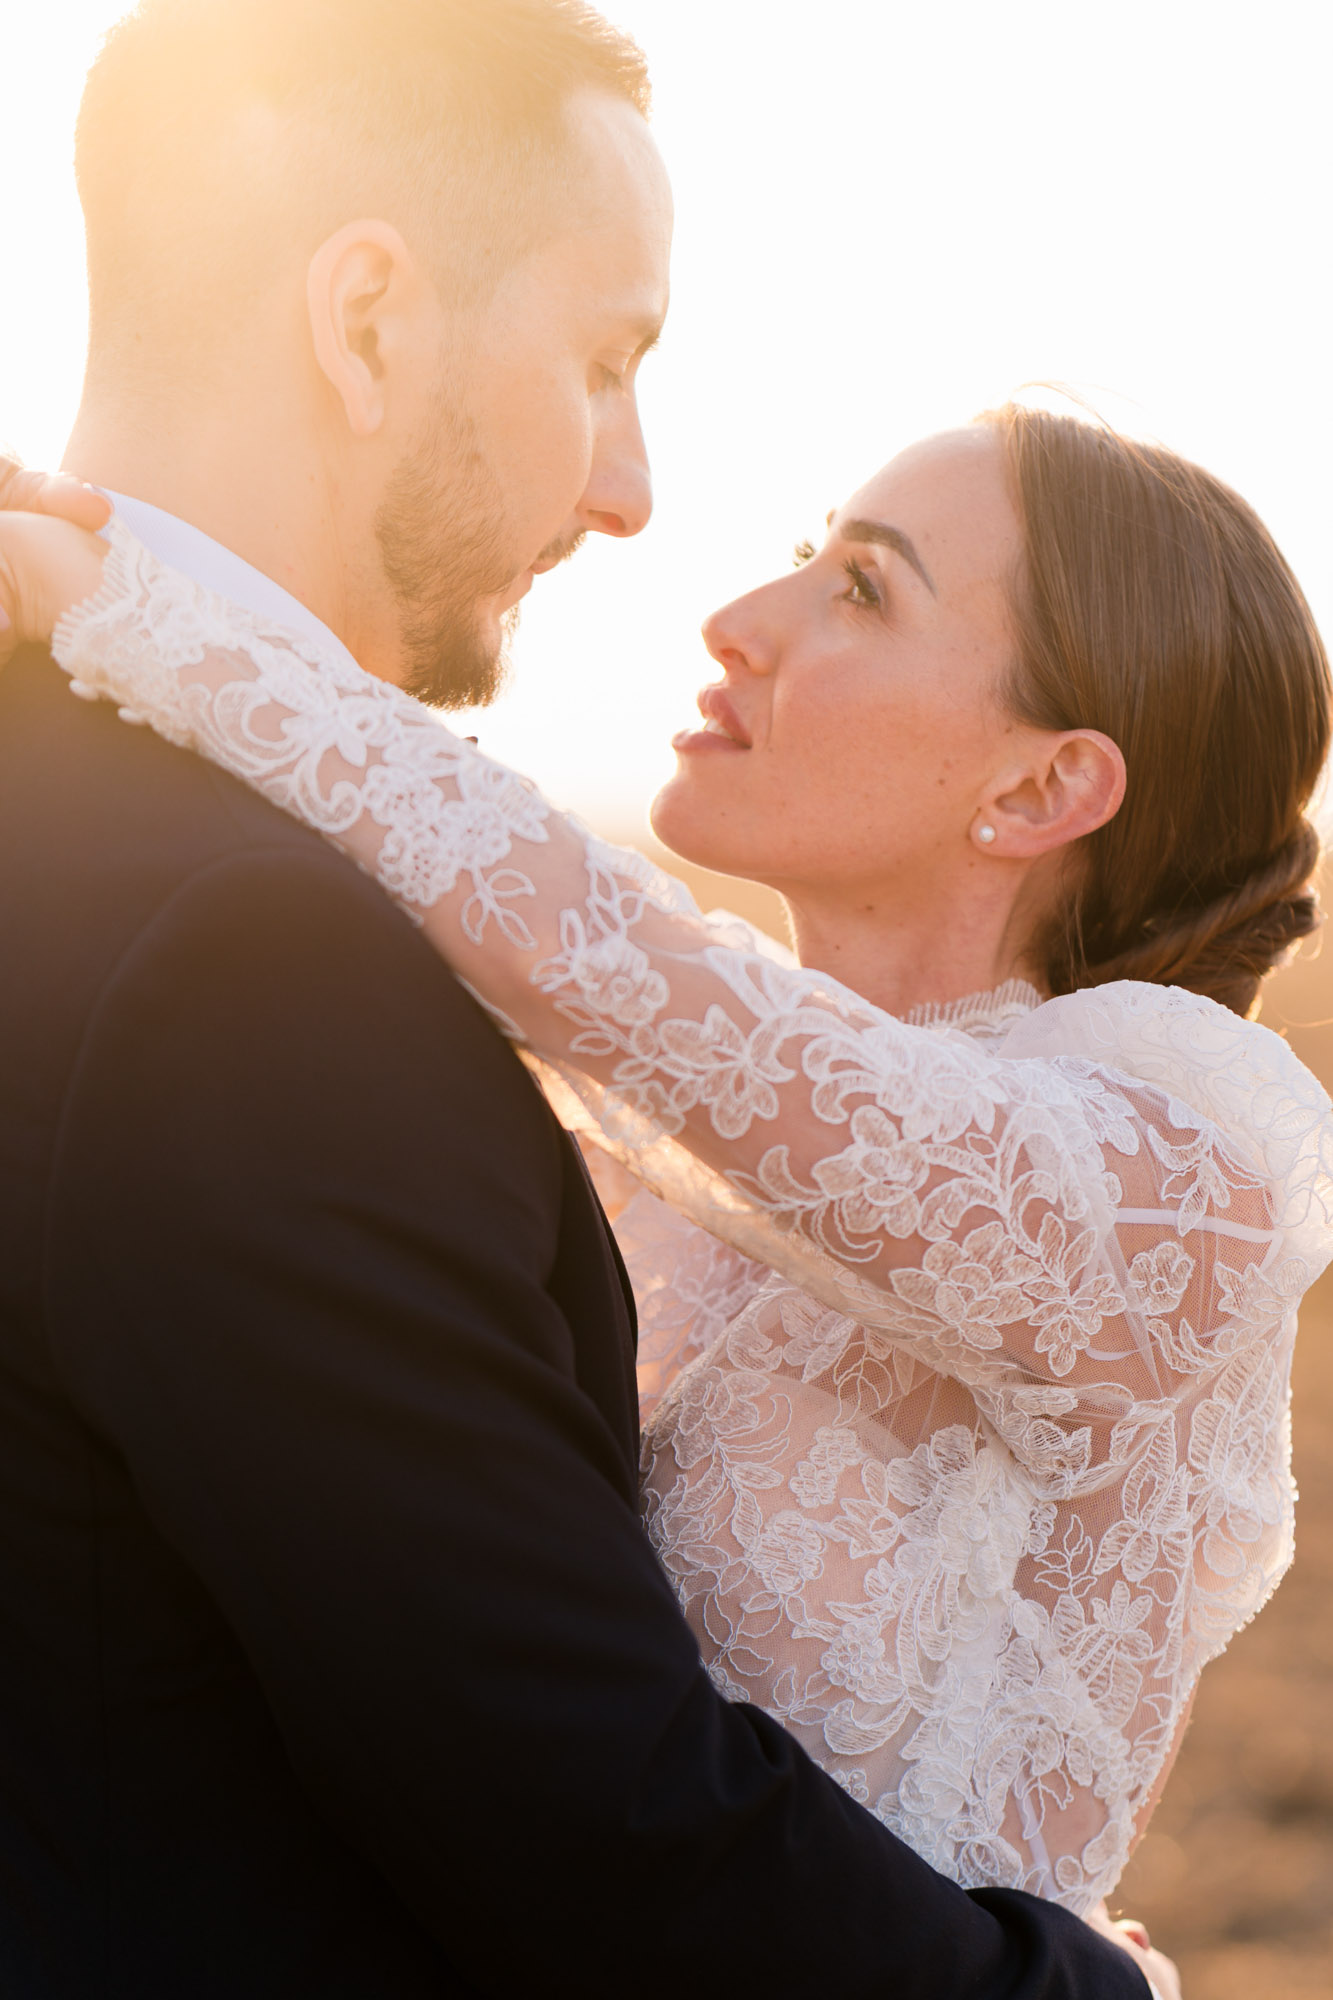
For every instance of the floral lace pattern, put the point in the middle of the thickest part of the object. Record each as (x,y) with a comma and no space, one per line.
(688,1287)
(972,1484)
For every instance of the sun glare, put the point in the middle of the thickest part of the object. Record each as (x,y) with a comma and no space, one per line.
(888,218)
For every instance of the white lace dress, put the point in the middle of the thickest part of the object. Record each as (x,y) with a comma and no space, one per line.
(984,1452)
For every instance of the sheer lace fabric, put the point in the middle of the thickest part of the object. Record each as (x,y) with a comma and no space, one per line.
(968,1480)
(688,1287)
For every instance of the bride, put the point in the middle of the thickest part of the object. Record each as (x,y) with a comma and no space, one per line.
(968,1250)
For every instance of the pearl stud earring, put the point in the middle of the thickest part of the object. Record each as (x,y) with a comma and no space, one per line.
(985,833)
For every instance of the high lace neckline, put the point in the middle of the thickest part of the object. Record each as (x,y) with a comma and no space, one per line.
(979,1013)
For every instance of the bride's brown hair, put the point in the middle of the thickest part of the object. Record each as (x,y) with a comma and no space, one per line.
(1155,606)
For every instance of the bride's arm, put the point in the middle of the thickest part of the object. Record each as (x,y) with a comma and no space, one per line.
(889,1167)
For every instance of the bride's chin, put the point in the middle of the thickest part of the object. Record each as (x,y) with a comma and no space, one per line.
(685,830)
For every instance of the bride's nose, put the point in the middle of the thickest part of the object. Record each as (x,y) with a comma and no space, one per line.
(737,640)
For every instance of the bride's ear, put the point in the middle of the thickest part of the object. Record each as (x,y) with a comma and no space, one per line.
(1073,785)
(362,291)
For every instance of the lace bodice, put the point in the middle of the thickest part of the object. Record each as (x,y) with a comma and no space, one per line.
(968,1480)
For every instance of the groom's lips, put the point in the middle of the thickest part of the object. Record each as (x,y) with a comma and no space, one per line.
(522,584)
(723,728)
(551,556)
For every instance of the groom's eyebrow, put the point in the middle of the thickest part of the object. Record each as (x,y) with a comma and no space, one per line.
(887,538)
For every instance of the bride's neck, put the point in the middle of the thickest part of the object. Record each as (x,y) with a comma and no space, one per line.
(900,957)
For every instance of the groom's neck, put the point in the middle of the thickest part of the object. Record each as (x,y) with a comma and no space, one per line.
(248,484)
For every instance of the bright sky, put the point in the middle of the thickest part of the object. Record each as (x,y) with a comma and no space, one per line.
(889,217)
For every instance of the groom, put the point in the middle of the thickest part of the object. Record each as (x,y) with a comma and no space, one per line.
(333,1660)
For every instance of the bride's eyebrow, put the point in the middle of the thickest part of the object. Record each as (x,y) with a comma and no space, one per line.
(888,538)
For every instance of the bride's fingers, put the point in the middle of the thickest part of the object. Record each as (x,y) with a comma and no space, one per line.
(57,493)
(1132,1937)
(1160,1971)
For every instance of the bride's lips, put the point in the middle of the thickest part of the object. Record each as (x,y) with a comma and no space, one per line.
(722,730)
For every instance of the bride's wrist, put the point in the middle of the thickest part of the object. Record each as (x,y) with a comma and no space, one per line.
(47,568)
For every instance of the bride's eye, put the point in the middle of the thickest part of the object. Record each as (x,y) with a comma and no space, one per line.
(803,553)
(862,590)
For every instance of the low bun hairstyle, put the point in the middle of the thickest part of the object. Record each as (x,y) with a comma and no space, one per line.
(1155,607)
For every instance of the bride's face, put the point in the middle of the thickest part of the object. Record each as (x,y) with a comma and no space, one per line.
(859,722)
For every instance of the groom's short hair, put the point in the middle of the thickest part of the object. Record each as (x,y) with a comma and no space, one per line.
(215,135)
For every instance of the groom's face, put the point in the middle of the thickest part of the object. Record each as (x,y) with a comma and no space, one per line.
(532,438)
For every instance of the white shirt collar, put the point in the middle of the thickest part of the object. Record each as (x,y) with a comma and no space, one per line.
(199,557)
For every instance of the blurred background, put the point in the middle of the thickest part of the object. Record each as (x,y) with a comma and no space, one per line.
(891,216)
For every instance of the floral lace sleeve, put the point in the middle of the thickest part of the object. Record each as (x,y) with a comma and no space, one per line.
(994,1213)
(972,1484)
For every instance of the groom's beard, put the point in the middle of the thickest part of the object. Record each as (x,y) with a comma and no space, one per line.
(440,529)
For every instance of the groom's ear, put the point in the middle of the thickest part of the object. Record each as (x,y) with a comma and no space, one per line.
(364,295)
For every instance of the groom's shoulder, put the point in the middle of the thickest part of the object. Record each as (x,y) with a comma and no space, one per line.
(85,795)
(143,892)
(107,819)
(116,847)
(133,874)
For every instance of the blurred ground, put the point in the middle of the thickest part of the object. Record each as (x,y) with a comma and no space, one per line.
(1235,1875)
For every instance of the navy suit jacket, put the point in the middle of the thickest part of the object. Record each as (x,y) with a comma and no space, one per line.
(333,1658)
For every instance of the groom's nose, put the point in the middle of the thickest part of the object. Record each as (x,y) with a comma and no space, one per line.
(618,499)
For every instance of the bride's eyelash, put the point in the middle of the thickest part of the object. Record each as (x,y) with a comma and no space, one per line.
(862,588)
(861,583)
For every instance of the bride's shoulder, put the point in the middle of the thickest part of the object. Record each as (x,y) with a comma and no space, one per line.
(1159,1033)
(1236,1075)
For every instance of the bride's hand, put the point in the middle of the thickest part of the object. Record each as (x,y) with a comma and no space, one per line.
(46,566)
(1159,1970)
(57,493)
